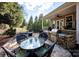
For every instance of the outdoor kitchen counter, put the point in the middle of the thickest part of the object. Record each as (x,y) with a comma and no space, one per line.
(66,40)
(52,36)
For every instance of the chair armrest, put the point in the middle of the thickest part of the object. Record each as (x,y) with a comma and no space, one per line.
(24,35)
(49,51)
(10,54)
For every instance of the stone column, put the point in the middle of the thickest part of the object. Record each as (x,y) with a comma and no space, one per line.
(77,23)
(42,23)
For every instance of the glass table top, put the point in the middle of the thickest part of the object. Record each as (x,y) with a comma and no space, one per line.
(32,43)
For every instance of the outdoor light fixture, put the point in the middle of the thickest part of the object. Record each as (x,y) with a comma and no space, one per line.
(58,16)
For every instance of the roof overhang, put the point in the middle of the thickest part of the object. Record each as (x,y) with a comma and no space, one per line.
(66,8)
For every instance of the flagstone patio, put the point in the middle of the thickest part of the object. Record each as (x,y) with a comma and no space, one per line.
(58,51)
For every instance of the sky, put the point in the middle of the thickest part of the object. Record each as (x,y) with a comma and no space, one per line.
(36,7)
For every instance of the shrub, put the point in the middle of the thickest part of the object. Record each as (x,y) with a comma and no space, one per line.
(4,26)
(10,32)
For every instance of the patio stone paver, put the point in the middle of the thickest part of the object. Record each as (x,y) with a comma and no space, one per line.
(58,51)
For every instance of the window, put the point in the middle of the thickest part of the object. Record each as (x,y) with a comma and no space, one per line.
(69,22)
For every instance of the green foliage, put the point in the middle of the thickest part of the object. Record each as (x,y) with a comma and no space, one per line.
(30,24)
(36,26)
(24,23)
(4,26)
(46,23)
(11,13)
(10,32)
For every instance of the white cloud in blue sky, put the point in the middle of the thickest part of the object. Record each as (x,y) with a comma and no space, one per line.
(36,7)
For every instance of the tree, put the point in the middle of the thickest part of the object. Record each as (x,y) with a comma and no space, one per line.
(39,25)
(12,13)
(30,24)
(36,19)
(24,23)
(40,22)
(35,24)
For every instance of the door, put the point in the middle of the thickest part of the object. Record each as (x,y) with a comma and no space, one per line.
(58,24)
(61,24)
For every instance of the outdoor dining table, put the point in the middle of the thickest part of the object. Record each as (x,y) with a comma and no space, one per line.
(32,43)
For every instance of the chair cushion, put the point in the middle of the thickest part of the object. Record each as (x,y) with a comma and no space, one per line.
(43,35)
(40,52)
(22,53)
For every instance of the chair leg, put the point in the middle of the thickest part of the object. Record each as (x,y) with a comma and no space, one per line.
(10,54)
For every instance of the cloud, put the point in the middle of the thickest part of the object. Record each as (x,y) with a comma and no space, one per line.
(43,5)
(36,7)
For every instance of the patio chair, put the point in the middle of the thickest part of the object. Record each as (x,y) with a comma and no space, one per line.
(49,28)
(43,35)
(9,54)
(17,52)
(45,51)
(21,37)
(29,34)
(22,53)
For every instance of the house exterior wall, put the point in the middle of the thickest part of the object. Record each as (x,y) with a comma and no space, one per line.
(64,18)
(77,23)
(75,13)
(74,20)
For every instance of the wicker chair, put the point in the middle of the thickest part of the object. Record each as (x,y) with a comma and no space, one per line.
(45,51)
(16,53)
